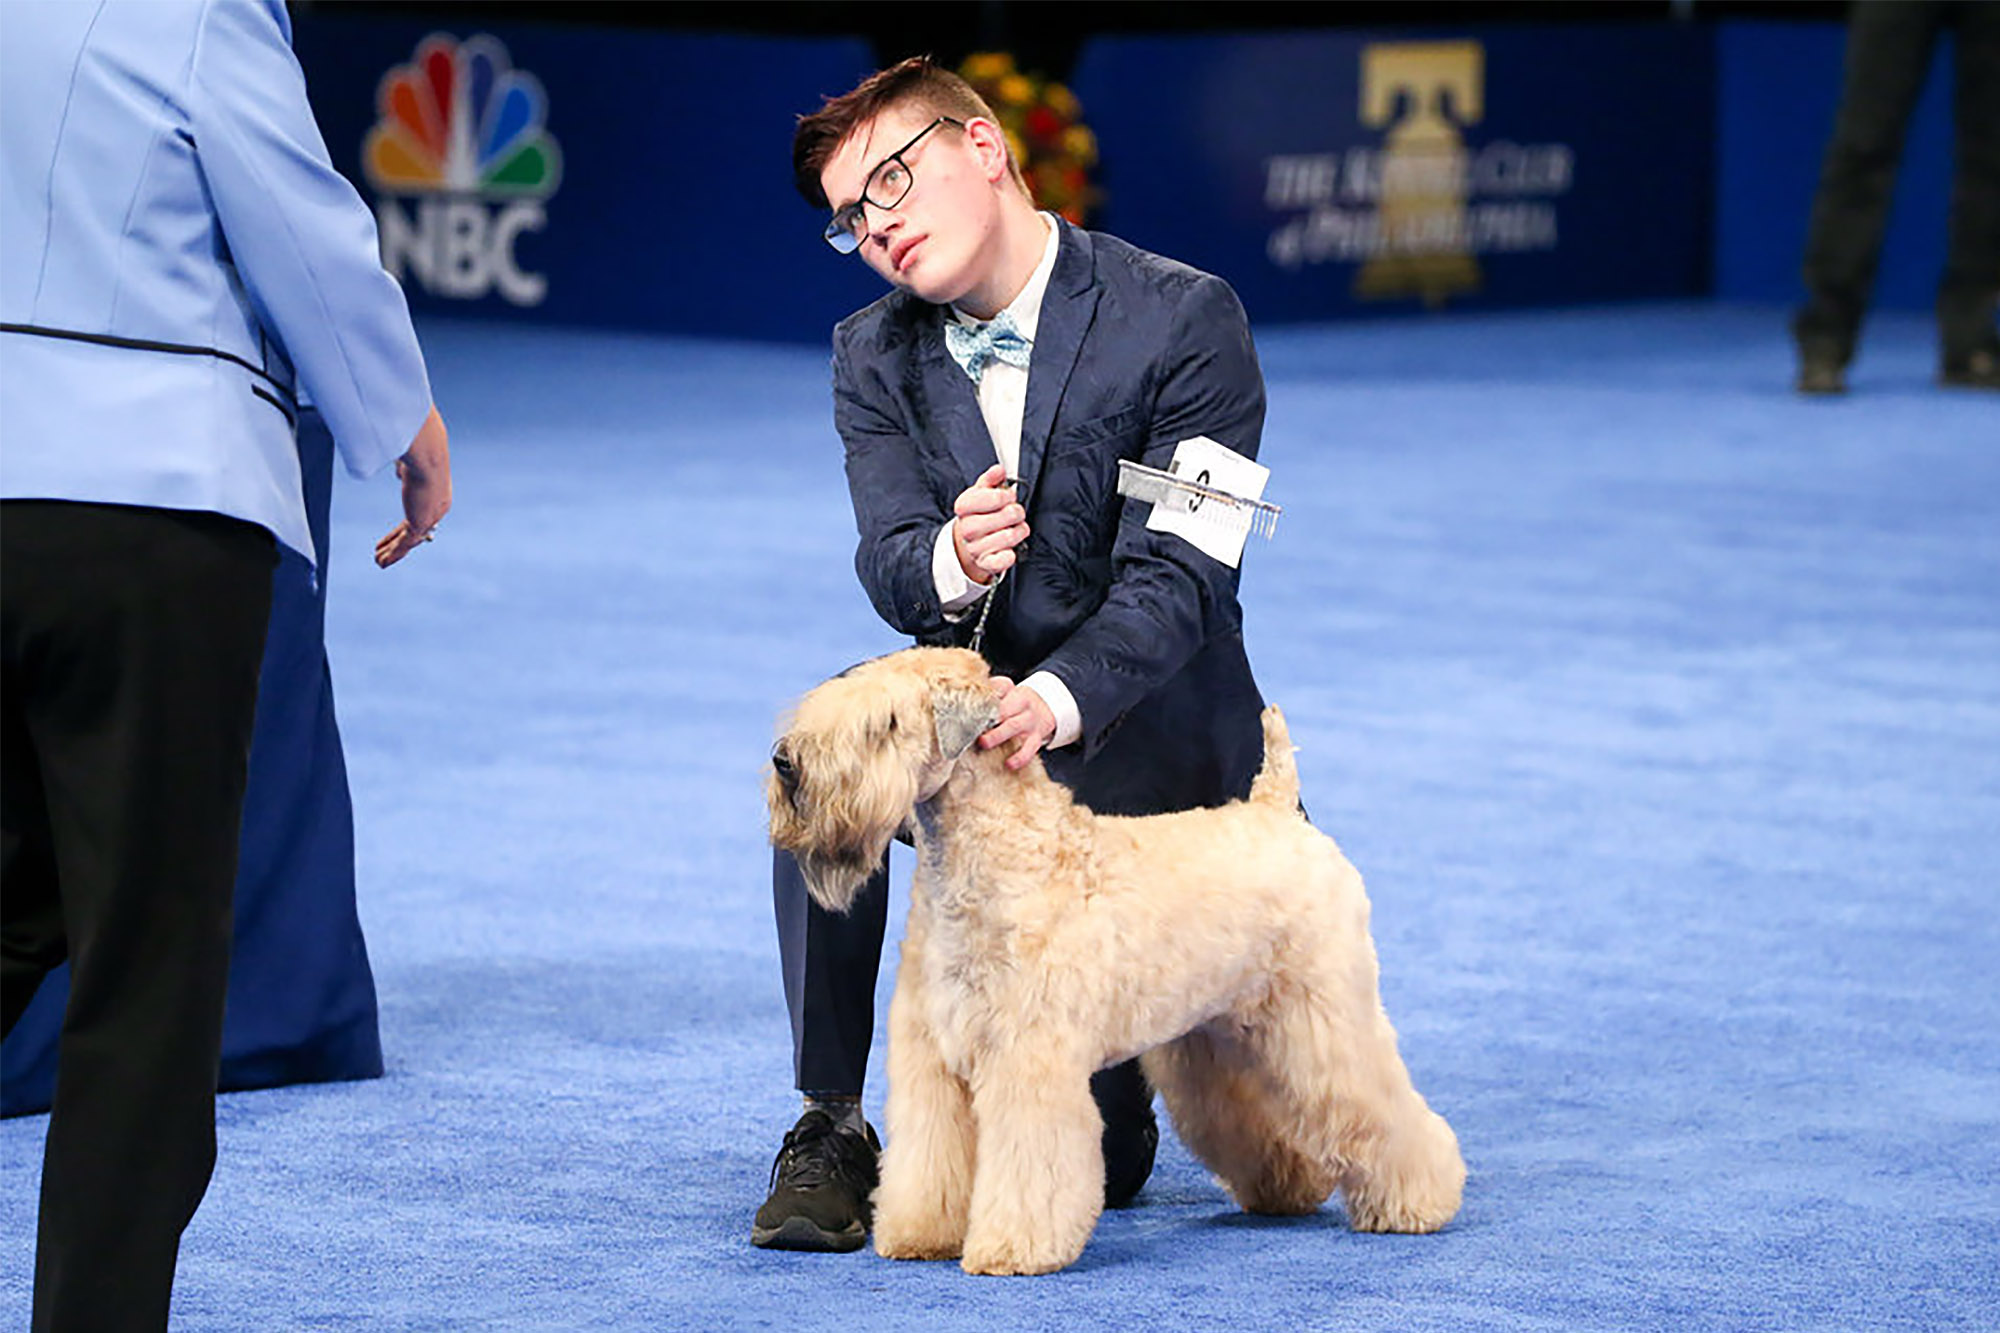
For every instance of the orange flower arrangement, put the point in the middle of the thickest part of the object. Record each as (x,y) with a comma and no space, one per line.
(1044,125)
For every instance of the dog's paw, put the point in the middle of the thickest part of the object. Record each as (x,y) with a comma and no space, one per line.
(1014,1265)
(898,1240)
(1417,1208)
(1402,1221)
(904,1249)
(1017,1260)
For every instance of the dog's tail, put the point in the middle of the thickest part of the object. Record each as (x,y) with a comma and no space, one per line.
(1277,782)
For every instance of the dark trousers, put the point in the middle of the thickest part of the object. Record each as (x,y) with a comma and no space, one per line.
(1889,47)
(830,964)
(132,643)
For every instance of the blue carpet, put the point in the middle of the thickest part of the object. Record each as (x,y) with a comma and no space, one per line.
(1660,708)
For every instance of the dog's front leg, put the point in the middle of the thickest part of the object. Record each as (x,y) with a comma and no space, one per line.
(920,1206)
(1040,1183)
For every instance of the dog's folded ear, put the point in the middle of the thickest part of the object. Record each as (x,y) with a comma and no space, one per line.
(960,715)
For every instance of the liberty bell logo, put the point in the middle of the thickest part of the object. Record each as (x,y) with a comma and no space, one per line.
(1423,95)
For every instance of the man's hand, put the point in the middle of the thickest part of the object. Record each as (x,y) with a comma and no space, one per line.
(425,471)
(988,526)
(1024,716)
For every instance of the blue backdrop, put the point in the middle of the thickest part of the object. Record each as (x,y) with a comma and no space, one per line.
(1778,85)
(641,180)
(1497,166)
(667,203)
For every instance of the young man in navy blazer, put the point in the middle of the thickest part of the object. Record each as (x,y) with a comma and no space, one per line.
(984,405)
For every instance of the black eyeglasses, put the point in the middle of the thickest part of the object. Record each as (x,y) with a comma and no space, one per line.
(888,185)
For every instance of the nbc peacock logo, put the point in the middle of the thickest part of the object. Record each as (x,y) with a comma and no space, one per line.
(462,162)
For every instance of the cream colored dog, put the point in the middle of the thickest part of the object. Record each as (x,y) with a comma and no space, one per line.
(1230,946)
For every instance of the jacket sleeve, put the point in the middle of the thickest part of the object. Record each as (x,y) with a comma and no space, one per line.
(897,512)
(301,239)
(1167,599)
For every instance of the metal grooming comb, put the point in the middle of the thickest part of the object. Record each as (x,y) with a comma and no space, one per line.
(1149,484)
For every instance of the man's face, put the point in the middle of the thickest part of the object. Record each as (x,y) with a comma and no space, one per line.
(938,242)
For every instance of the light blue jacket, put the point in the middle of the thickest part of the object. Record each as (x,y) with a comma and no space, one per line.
(178,258)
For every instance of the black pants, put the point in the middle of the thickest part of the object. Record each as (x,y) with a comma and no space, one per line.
(132,642)
(1889,47)
(830,965)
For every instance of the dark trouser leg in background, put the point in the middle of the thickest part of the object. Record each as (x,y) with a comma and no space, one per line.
(133,641)
(830,964)
(1888,54)
(1131,1134)
(1971,281)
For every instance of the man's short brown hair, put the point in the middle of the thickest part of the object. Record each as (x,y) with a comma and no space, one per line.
(915,82)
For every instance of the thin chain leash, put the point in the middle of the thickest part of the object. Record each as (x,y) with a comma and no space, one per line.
(986,609)
(993,589)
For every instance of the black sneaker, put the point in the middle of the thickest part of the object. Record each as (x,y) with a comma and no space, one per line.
(820,1186)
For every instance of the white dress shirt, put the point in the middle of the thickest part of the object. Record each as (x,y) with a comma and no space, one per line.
(1003,396)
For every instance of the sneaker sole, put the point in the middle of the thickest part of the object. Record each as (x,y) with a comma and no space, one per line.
(800,1233)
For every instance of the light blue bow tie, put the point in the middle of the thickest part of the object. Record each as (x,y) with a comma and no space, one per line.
(977,346)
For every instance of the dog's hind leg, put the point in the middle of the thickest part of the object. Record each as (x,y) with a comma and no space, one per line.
(1232,1116)
(927,1166)
(1040,1182)
(1351,1104)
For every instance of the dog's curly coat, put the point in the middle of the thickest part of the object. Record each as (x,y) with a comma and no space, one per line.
(1229,946)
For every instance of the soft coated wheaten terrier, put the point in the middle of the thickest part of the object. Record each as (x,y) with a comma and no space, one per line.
(1230,946)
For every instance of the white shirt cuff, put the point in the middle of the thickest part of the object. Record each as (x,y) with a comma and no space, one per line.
(955,591)
(1069,719)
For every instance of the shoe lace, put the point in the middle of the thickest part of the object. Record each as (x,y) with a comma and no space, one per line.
(817,1151)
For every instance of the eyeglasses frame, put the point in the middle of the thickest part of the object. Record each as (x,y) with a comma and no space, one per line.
(838,229)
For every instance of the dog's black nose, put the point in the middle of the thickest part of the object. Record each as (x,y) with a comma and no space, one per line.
(787,771)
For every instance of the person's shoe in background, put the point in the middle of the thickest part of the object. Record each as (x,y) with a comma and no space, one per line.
(1976,369)
(1822,371)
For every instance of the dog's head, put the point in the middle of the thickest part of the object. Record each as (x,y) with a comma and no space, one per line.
(861,751)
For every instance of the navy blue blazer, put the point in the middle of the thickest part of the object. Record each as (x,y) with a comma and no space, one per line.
(1134,353)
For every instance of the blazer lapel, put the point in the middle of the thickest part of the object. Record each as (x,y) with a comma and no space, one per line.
(1068,306)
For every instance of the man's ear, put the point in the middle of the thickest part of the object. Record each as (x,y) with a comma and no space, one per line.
(960,715)
(990,141)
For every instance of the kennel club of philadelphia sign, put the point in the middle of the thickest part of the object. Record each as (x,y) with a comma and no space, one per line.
(1417,210)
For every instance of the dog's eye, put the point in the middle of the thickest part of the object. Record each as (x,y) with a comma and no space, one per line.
(892,724)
